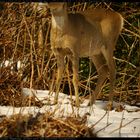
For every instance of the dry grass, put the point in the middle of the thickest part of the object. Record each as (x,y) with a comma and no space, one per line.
(24,37)
(44,125)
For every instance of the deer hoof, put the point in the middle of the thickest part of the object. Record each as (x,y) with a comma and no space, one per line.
(55,102)
(91,102)
(75,103)
(109,106)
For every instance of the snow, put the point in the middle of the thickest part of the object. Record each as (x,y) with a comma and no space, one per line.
(106,123)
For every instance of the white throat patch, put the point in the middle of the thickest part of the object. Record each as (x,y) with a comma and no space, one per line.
(58,22)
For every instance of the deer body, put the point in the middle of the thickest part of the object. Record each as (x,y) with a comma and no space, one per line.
(90,34)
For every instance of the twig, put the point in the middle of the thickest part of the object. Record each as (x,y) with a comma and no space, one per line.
(99,120)
(121,60)
(123,125)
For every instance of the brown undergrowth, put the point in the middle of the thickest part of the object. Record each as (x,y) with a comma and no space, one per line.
(44,125)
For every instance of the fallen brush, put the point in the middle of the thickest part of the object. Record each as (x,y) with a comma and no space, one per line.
(44,125)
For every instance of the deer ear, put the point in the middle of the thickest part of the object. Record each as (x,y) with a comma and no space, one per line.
(47,4)
(64,5)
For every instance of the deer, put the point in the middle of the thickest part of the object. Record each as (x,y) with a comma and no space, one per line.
(91,33)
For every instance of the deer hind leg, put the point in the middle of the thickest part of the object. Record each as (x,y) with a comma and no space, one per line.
(75,67)
(60,67)
(108,54)
(102,71)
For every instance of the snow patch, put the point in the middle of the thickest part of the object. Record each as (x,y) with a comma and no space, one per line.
(106,123)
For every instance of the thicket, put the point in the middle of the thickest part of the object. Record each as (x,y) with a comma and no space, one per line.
(26,59)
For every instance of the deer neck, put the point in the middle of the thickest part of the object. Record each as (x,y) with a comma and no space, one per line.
(60,20)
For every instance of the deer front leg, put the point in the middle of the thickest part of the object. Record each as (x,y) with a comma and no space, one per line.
(75,64)
(60,67)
